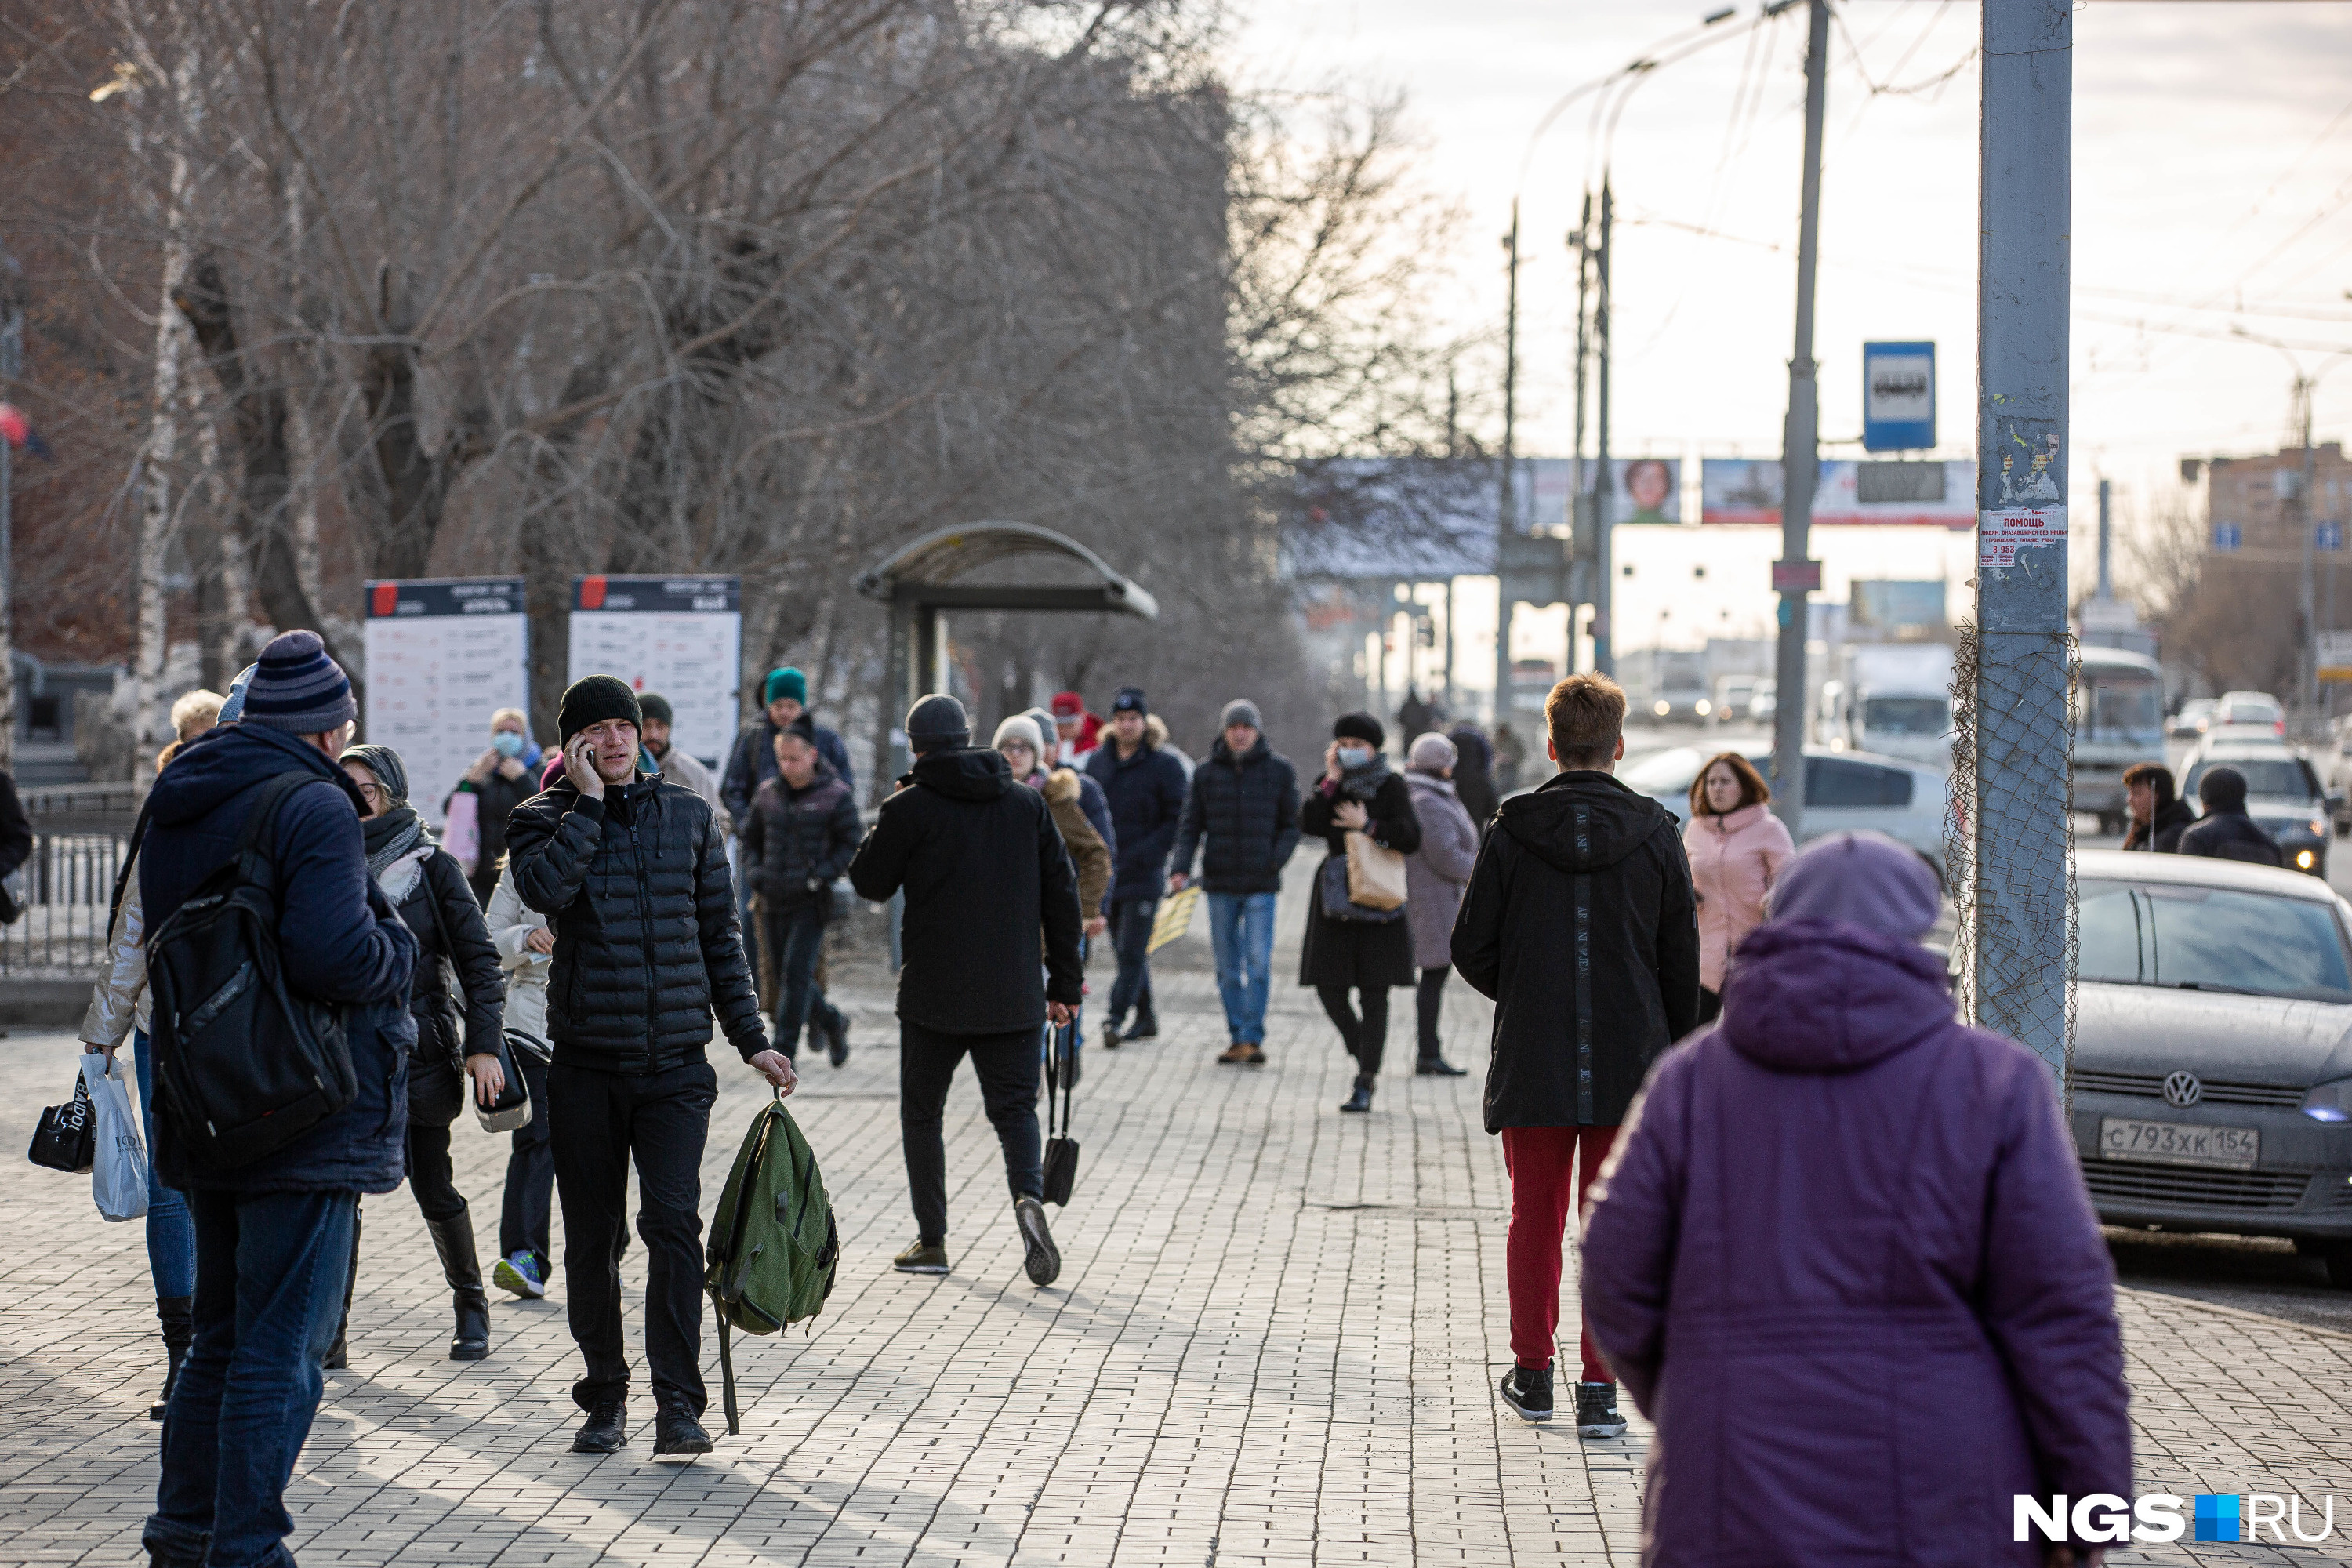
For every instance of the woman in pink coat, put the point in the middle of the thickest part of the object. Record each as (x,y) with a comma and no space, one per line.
(1736,847)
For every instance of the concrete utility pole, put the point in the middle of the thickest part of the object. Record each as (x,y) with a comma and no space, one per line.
(1506,519)
(1604,567)
(2021,904)
(1796,575)
(1580,521)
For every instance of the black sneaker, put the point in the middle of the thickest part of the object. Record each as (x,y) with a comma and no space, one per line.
(1044,1259)
(679,1437)
(836,1041)
(1111,1036)
(1360,1100)
(1438,1067)
(605,1431)
(1528,1394)
(1145,1029)
(1596,1411)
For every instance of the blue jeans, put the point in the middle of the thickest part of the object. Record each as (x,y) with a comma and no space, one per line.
(1130,932)
(1241,928)
(170,1239)
(270,1272)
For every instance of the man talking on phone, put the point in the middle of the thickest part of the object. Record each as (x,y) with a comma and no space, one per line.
(631,872)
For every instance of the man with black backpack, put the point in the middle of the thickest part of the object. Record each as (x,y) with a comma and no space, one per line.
(631,872)
(274,1228)
(984,871)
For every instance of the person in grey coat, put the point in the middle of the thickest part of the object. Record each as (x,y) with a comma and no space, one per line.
(1434,876)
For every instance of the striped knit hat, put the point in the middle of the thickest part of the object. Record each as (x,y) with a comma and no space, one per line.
(298,689)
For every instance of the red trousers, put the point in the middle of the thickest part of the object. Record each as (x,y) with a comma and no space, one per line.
(1549,1168)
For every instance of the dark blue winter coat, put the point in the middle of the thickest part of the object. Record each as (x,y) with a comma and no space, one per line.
(1146,792)
(340,940)
(752,762)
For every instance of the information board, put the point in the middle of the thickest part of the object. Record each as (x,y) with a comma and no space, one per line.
(443,655)
(1898,396)
(1930,494)
(682,636)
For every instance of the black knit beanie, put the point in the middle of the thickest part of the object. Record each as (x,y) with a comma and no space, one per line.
(938,720)
(592,699)
(1360,727)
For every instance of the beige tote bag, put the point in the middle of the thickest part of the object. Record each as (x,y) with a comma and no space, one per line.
(1375,875)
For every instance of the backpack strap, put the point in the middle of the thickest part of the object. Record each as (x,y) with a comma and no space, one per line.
(256,858)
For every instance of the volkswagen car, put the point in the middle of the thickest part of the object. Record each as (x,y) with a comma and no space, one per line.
(2212,1087)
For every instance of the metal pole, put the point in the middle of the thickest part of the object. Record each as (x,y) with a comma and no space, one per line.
(1604,584)
(1507,521)
(2022,896)
(2310,521)
(1800,452)
(2106,538)
(12,367)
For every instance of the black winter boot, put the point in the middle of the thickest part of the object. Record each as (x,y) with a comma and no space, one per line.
(1361,1100)
(454,1240)
(174,1313)
(339,1354)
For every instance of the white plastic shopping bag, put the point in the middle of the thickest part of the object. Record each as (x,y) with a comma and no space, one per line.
(118,1175)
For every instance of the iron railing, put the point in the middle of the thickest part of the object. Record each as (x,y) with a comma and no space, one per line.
(65,888)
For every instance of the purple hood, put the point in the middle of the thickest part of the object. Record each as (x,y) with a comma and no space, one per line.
(1822,996)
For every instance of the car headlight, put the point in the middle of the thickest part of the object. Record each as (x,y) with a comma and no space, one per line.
(2316,827)
(2303,859)
(1705,708)
(1661,708)
(2329,1101)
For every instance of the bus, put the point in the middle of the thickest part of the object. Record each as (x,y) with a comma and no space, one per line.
(2118,713)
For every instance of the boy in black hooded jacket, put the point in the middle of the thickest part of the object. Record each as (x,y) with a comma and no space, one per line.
(1581,922)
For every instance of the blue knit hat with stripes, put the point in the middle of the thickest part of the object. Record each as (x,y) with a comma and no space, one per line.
(298,689)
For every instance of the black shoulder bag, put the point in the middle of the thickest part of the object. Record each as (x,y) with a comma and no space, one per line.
(1060,1148)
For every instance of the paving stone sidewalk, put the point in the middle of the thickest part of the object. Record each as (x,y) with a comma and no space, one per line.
(1274,1342)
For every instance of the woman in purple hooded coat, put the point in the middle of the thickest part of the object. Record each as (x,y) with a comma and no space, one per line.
(1844,1259)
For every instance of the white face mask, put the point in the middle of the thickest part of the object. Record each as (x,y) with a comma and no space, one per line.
(1354,756)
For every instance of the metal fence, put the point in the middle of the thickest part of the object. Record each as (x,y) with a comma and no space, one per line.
(66,887)
(2015,947)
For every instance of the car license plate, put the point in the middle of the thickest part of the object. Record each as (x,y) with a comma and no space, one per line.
(2179,1143)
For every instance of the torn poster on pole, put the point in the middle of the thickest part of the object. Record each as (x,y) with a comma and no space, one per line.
(682,636)
(443,655)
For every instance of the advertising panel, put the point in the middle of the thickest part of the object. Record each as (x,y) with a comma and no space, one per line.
(1848,494)
(682,636)
(443,655)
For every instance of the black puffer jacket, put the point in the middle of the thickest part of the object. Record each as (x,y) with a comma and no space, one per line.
(440,909)
(1246,807)
(984,871)
(647,943)
(793,838)
(1581,924)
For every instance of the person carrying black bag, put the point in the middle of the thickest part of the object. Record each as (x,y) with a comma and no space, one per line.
(984,871)
(273,1232)
(428,888)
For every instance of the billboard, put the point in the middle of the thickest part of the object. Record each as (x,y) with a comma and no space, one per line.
(1895,604)
(443,655)
(1648,490)
(682,636)
(1848,494)
(1899,397)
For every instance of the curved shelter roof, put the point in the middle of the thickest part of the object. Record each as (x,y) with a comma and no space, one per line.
(1003,566)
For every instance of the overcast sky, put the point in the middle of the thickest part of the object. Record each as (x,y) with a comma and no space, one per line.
(2213,186)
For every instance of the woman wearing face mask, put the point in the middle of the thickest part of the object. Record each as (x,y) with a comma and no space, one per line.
(1358,949)
(502,779)
(1736,847)
(426,884)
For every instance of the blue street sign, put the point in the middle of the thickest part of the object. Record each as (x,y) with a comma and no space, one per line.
(2226,536)
(1899,397)
(2328,536)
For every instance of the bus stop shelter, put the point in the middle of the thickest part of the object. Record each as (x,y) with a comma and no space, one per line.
(983,566)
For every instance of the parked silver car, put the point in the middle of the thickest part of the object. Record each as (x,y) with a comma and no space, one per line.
(2214,1051)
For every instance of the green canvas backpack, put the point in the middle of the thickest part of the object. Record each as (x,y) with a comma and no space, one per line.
(773,1245)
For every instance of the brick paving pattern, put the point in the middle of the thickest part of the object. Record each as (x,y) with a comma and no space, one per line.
(1274,1342)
